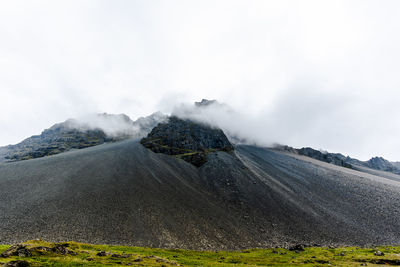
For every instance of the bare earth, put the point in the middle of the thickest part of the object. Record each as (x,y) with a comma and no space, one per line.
(122,193)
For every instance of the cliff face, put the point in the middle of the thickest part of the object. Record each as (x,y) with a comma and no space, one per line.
(187,140)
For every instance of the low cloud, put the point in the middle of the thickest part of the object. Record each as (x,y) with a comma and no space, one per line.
(112,125)
(115,125)
(300,118)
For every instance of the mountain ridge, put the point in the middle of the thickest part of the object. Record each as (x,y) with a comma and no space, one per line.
(104,128)
(376,163)
(78,134)
(146,193)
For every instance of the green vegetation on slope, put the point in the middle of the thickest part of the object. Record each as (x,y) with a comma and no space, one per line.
(40,253)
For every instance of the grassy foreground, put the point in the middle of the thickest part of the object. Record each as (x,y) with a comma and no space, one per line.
(40,253)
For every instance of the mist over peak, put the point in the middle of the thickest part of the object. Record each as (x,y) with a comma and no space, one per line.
(82,132)
(205,102)
(239,127)
(112,125)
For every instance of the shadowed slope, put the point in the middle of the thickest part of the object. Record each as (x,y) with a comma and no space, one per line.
(123,193)
(116,193)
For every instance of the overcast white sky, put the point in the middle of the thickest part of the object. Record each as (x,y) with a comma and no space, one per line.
(305,73)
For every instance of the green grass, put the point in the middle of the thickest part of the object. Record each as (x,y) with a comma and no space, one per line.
(313,256)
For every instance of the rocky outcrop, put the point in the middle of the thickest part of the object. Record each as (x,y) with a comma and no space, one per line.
(22,250)
(376,163)
(334,158)
(55,140)
(379,163)
(205,102)
(17,250)
(187,140)
(17,263)
(78,134)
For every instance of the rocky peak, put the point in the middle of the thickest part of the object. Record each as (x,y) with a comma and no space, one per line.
(205,102)
(80,133)
(187,140)
(149,122)
(57,139)
(380,163)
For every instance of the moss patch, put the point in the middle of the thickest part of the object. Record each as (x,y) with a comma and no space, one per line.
(104,255)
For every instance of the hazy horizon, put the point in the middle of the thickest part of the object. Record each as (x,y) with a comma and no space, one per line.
(322,74)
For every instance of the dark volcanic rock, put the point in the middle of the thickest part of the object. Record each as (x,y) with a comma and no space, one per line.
(205,102)
(187,140)
(298,248)
(62,249)
(102,254)
(16,250)
(17,263)
(57,139)
(379,163)
(197,159)
(376,163)
(61,137)
(334,158)
(21,250)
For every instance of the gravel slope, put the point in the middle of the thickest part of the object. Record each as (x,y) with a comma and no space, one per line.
(122,193)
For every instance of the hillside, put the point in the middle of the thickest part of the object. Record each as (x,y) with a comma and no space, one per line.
(375,163)
(41,253)
(123,193)
(185,185)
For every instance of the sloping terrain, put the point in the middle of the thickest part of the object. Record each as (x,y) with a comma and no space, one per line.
(80,133)
(375,163)
(123,193)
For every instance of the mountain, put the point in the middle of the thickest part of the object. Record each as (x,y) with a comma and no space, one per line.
(396,164)
(241,196)
(375,163)
(334,158)
(80,133)
(123,193)
(382,164)
(205,103)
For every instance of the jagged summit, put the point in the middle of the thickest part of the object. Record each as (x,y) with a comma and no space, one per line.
(59,138)
(205,102)
(382,164)
(80,133)
(376,163)
(176,137)
(187,140)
